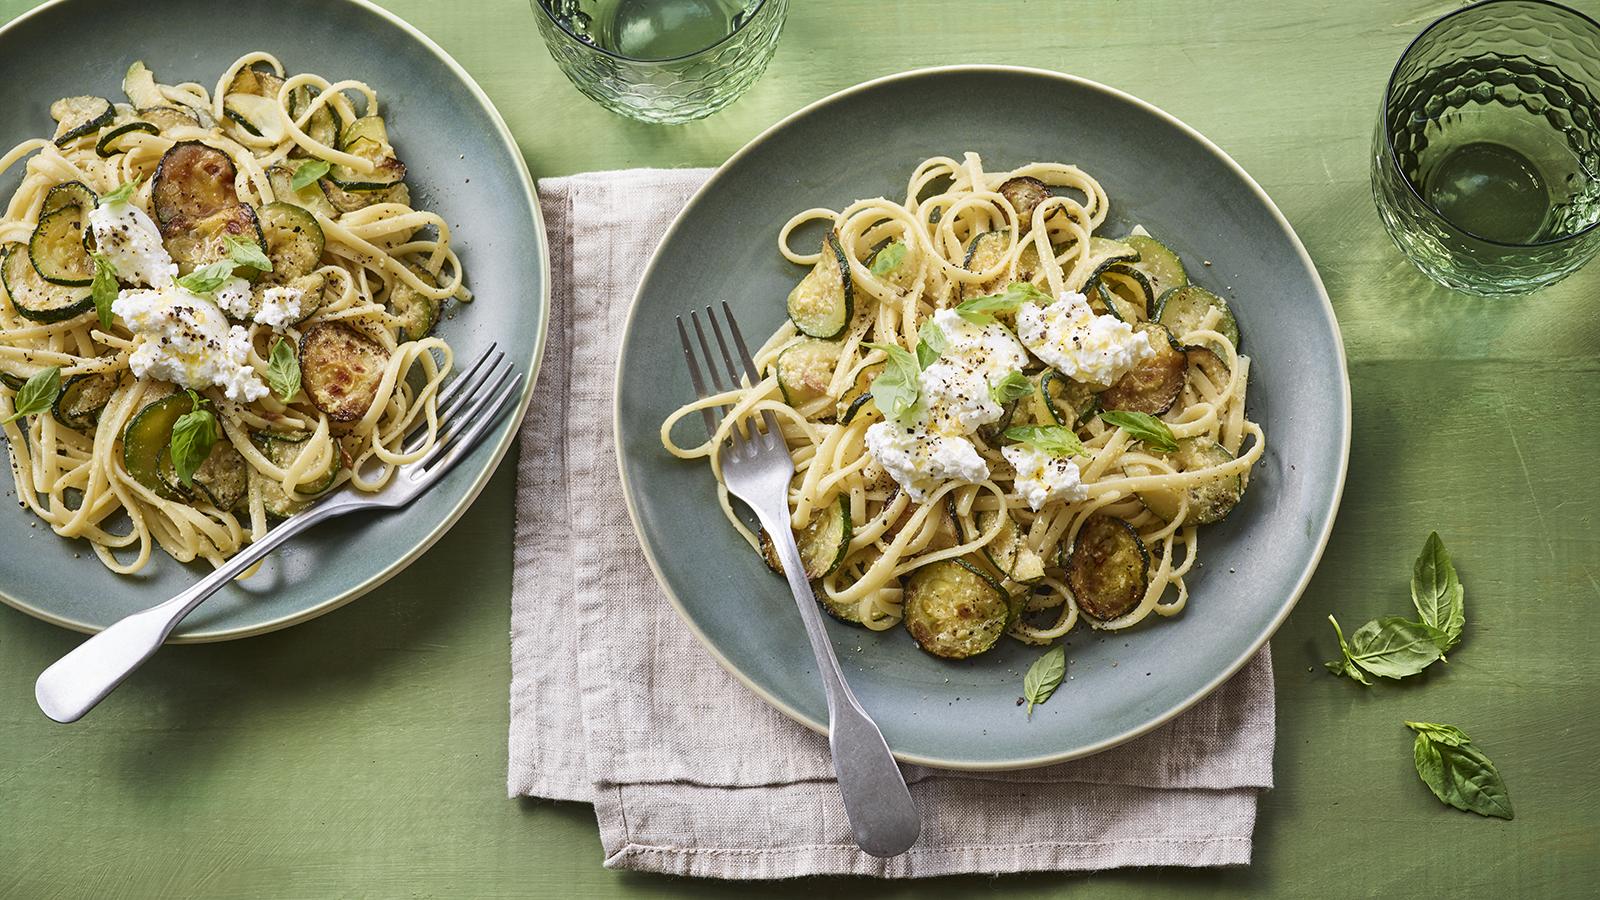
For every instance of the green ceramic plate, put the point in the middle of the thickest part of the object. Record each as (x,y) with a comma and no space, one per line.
(462,162)
(864,142)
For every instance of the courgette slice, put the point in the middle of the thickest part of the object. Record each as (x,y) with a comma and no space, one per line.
(193,181)
(854,397)
(349,201)
(1159,264)
(252,102)
(417,313)
(56,248)
(1108,568)
(166,118)
(1210,501)
(823,302)
(35,298)
(146,440)
(1104,302)
(1154,384)
(805,369)
(139,83)
(310,197)
(1070,403)
(1183,308)
(82,399)
(1024,194)
(983,253)
(1133,287)
(823,544)
(107,146)
(78,116)
(223,478)
(293,238)
(1205,360)
(15,382)
(324,125)
(1030,409)
(856,406)
(69,193)
(283,449)
(368,138)
(1009,552)
(340,369)
(198,242)
(953,609)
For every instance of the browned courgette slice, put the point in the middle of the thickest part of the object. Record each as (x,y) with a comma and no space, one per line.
(1210,501)
(79,116)
(1156,382)
(417,313)
(197,242)
(823,302)
(954,609)
(82,399)
(35,298)
(984,253)
(193,181)
(822,544)
(805,368)
(1025,194)
(1009,552)
(340,369)
(1108,568)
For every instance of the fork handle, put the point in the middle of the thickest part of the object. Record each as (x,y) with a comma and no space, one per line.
(876,800)
(75,683)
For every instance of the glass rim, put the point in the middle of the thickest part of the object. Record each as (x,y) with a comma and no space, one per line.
(634,60)
(1388,135)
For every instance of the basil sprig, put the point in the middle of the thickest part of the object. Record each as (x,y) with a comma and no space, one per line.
(308,173)
(1043,677)
(193,436)
(36,395)
(247,253)
(1457,772)
(981,310)
(1014,386)
(884,261)
(1395,647)
(1143,427)
(283,370)
(122,193)
(1056,440)
(104,288)
(896,389)
(210,278)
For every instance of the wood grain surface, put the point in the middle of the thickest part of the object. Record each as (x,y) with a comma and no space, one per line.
(363,754)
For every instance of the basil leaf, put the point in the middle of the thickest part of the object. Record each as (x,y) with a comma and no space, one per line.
(885,260)
(896,389)
(1043,677)
(980,310)
(122,193)
(193,436)
(931,344)
(283,370)
(1143,427)
(104,288)
(207,279)
(1393,647)
(36,395)
(247,253)
(1457,772)
(1345,665)
(308,173)
(1056,440)
(1437,593)
(1014,386)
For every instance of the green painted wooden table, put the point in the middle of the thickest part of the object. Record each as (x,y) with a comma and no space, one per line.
(364,753)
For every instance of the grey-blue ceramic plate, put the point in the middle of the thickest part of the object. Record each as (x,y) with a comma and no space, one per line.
(864,142)
(462,163)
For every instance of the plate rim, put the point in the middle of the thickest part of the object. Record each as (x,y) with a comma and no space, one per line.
(481,480)
(1195,695)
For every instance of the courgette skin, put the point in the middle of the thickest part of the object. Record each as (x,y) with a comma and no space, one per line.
(294,240)
(32,296)
(94,113)
(822,304)
(82,399)
(1182,308)
(56,248)
(340,370)
(69,193)
(283,449)
(146,439)
(1108,568)
(103,148)
(1024,194)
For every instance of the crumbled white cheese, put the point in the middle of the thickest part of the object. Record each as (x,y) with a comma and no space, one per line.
(955,388)
(920,460)
(280,307)
(132,243)
(1068,336)
(1041,477)
(234,298)
(185,339)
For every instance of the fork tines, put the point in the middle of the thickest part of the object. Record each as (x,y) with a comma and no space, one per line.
(472,403)
(712,415)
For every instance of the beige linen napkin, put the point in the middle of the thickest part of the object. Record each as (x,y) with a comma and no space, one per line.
(613,702)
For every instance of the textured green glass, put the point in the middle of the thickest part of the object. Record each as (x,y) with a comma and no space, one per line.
(664,61)
(1486,158)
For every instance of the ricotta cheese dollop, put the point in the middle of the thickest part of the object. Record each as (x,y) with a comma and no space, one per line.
(920,460)
(132,243)
(1041,477)
(189,342)
(1068,336)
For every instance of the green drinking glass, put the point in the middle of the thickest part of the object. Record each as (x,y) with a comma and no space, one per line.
(1486,160)
(664,61)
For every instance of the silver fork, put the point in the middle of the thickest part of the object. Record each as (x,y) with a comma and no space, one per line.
(757,469)
(473,402)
